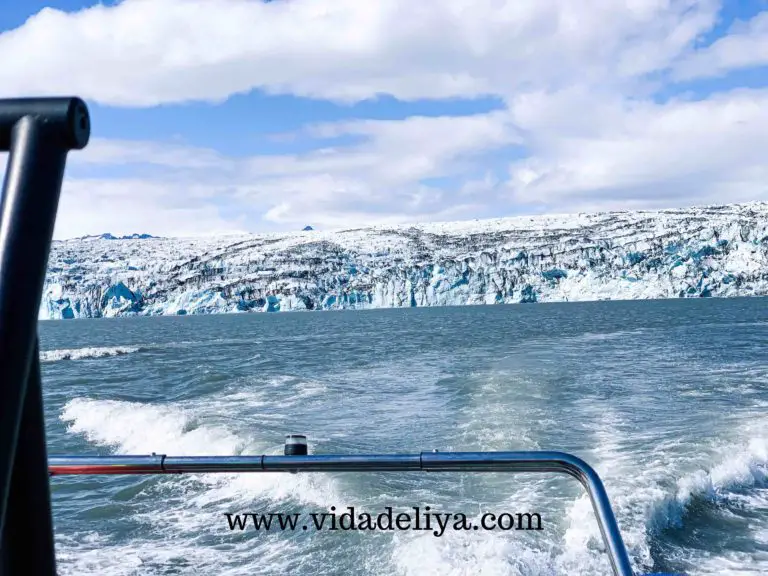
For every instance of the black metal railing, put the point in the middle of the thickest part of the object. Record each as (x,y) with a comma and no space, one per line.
(38,133)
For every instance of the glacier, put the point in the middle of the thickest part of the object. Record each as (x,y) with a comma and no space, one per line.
(713,251)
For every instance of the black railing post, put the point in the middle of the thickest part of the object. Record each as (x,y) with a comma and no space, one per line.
(38,133)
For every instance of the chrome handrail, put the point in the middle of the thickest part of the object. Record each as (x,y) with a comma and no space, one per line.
(558,462)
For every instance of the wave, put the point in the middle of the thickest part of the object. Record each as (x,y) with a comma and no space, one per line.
(659,494)
(88,352)
(176,430)
(746,468)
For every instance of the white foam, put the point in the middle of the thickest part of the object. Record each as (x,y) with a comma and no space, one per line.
(733,564)
(640,492)
(459,553)
(89,352)
(93,554)
(642,499)
(135,428)
(190,506)
(582,541)
(745,467)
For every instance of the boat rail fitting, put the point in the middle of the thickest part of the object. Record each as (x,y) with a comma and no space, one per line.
(38,133)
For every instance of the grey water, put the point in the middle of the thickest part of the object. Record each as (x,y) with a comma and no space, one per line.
(668,400)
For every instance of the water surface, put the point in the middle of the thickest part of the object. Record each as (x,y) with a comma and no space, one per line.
(666,399)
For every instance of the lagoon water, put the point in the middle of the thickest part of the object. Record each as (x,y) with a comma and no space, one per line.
(668,400)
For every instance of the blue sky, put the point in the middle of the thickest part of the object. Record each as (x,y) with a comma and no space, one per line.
(218,116)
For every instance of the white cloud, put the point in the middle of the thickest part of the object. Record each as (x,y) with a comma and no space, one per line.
(126,206)
(145,52)
(696,151)
(745,46)
(167,154)
(376,181)
(584,154)
(576,76)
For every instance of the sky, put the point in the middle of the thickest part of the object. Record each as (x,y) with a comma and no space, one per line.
(227,116)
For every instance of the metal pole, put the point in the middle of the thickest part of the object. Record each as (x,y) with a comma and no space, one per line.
(557,462)
(29,502)
(38,133)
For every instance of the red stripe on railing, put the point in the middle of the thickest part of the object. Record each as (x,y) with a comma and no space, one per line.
(96,469)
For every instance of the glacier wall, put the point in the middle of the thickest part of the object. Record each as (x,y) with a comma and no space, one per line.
(717,251)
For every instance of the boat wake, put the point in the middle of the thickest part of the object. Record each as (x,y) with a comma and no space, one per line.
(650,504)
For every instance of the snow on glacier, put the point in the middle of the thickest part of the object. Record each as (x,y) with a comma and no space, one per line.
(718,251)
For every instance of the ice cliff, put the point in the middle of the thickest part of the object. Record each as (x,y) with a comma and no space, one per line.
(697,252)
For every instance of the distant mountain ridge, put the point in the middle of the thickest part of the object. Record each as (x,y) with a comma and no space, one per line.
(108,236)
